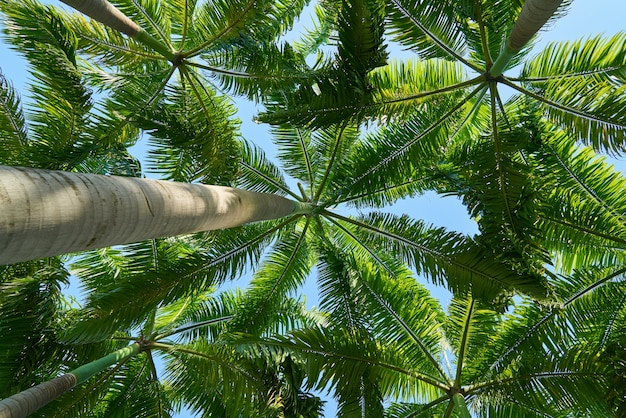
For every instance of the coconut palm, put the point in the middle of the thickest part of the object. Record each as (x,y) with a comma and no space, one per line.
(392,348)
(434,137)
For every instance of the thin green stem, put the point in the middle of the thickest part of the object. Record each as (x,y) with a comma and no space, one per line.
(428,406)
(192,327)
(185,72)
(559,106)
(586,230)
(307,161)
(449,409)
(483,35)
(472,389)
(309,349)
(463,344)
(446,89)
(502,183)
(565,76)
(331,162)
(384,189)
(222,71)
(185,28)
(155,380)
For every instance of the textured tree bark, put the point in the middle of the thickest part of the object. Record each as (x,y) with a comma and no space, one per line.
(30,400)
(534,14)
(45,213)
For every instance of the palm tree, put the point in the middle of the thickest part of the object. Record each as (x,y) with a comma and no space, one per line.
(438,137)
(392,348)
(518,165)
(69,212)
(68,132)
(203,369)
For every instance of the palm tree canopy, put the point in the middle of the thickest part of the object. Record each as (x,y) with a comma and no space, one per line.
(535,326)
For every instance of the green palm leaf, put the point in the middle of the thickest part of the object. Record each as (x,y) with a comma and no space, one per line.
(13,130)
(30,304)
(447,258)
(192,137)
(281,273)
(431,29)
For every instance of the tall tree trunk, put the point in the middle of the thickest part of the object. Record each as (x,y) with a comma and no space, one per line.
(30,400)
(46,213)
(107,14)
(534,14)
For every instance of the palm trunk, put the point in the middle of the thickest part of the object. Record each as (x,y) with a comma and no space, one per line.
(461,406)
(30,400)
(534,14)
(107,14)
(47,213)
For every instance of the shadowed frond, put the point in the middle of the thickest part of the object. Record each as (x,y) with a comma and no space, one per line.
(13,130)
(31,304)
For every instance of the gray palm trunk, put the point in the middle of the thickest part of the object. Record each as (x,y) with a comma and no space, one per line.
(107,14)
(534,14)
(47,213)
(30,400)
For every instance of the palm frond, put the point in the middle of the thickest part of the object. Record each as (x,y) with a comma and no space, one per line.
(592,112)
(396,155)
(30,305)
(192,136)
(60,100)
(460,263)
(595,59)
(251,68)
(431,30)
(171,269)
(13,129)
(214,379)
(223,21)
(110,48)
(586,205)
(297,153)
(399,87)
(358,294)
(259,174)
(283,271)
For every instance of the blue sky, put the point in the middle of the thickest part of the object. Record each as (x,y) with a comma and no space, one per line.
(585,18)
